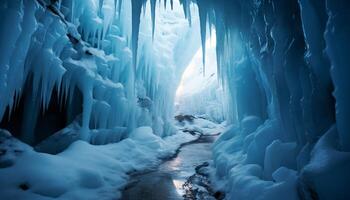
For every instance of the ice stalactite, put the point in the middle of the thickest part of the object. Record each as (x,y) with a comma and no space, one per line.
(165,3)
(153,15)
(136,13)
(119,7)
(172,4)
(12,60)
(92,69)
(57,62)
(187,10)
(203,24)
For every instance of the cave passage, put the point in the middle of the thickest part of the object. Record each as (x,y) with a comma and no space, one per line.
(181,177)
(174,99)
(198,111)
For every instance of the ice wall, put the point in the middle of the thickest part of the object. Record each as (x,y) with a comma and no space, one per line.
(74,69)
(283,63)
(67,64)
(159,55)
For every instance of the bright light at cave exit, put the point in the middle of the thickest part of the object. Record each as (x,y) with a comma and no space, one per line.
(192,79)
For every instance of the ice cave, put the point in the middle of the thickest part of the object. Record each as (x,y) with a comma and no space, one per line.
(175,99)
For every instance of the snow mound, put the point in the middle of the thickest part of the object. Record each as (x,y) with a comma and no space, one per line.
(82,171)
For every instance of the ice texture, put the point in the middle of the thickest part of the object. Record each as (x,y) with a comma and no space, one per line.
(282,63)
(80,58)
(80,72)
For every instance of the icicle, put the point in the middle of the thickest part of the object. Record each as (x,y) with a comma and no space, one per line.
(87,107)
(72,12)
(172,4)
(187,11)
(100,7)
(115,6)
(119,7)
(136,12)
(144,11)
(153,15)
(203,26)
(210,21)
(165,2)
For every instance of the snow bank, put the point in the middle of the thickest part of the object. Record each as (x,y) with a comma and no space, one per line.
(256,165)
(242,180)
(82,171)
(327,163)
(200,125)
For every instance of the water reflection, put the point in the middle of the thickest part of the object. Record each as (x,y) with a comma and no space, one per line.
(173,165)
(178,185)
(167,182)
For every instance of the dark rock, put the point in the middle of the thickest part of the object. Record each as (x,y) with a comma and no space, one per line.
(182,118)
(219,195)
(24,186)
(60,140)
(192,132)
(2,152)
(87,52)
(194,185)
(72,39)
(144,102)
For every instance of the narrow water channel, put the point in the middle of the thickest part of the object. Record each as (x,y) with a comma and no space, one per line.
(168,180)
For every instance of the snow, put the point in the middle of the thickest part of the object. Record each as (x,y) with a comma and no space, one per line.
(202,126)
(245,180)
(327,163)
(82,171)
(279,154)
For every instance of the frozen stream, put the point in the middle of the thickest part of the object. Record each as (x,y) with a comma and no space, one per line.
(168,180)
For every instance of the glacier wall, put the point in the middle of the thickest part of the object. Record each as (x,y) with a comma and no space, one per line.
(67,73)
(83,70)
(59,66)
(285,65)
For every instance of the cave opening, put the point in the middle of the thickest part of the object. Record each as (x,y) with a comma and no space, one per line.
(30,122)
(199,91)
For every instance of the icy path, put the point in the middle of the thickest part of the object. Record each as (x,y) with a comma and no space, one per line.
(175,178)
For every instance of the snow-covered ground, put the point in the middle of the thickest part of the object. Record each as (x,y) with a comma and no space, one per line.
(174,178)
(82,171)
(201,125)
(234,170)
